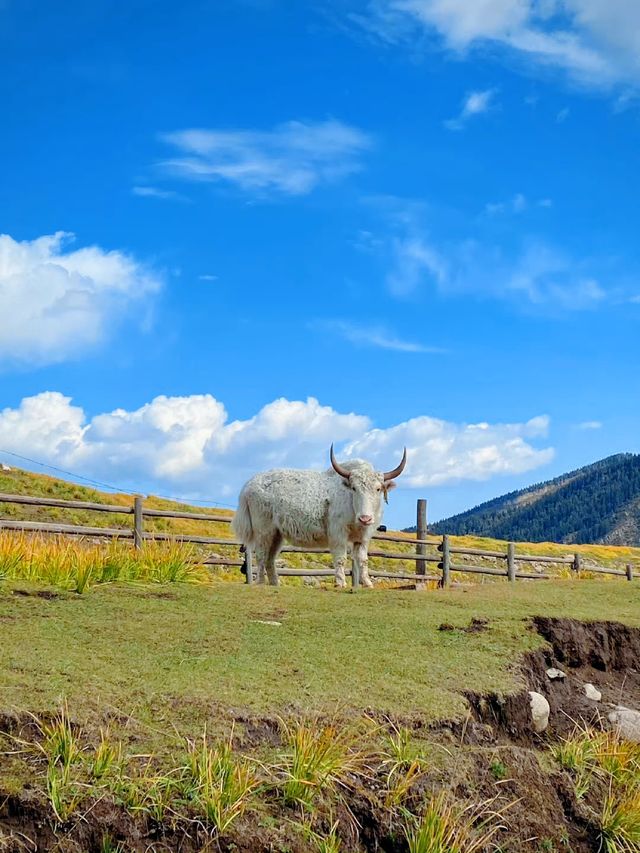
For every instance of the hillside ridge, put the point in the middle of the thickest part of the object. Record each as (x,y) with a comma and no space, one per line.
(598,503)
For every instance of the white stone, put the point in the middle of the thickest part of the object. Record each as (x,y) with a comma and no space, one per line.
(539,711)
(592,692)
(267,622)
(5,467)
(627,722)
(554,673)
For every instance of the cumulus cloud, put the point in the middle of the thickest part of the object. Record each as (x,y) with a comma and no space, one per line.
(189,444)
(291,159)
(443,452)
(474,104)
(597,42)
(56,303)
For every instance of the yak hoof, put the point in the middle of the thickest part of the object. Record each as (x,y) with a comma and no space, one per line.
(367,582)
(340,583)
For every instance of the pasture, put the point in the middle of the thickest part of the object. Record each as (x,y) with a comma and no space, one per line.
(149,702)
(140,671)
(146,650)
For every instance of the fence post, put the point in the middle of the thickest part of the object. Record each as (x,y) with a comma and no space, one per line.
(355,575)
(421,533)
(248,561)
(577,563)
(511,562)
(138,522)
(445,564)
(629,572)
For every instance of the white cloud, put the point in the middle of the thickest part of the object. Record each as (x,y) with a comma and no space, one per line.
(589,425)
(374,336)
(61,302)
(414,260)
(562,115)
(532,274)
(155,192)
(474,104)
(207,277)
(292,159)
(189,445)
(443,452)
(596,41)
(517,204)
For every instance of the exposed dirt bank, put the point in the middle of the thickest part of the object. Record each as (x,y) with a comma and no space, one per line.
(493,754)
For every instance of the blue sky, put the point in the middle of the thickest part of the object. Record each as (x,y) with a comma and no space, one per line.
(237,231)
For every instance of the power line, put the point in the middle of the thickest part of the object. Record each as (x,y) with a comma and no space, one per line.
(111,487)
(68,473)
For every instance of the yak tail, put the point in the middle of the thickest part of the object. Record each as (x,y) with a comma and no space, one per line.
(241,523)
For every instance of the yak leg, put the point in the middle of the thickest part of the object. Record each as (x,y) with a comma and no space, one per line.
(260,560)
(274,550)
(266,550)
(339,562)
(361,556)
(262,550)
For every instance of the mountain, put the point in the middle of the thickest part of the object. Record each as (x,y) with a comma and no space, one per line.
(599,503)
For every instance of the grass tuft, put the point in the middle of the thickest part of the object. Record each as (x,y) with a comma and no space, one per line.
(446,828)
(320,757)
(217,783)
(620,820)
(577,754)
(77,566)
(106,759)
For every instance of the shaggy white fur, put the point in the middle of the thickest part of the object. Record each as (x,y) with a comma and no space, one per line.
(313,509)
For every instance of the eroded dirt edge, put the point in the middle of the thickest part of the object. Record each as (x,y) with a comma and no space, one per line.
(493,753)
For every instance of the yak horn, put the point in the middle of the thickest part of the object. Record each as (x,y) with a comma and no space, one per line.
(336,467)
(391,475)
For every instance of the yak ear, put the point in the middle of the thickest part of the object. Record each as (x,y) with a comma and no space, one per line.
(386,489)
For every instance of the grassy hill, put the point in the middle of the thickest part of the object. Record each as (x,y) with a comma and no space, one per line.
(599,503)
(244,719)
(22,482)
(217,716)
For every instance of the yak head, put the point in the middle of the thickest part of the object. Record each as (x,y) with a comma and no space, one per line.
(367,485)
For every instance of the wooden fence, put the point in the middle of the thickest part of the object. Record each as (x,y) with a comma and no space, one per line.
(443,555)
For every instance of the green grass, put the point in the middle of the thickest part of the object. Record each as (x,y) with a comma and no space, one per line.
(187,653)
(319,757)
(24,482)
(447,828)
(122,677)
(591,756)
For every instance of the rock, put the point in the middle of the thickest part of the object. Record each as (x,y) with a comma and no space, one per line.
(5,467)
(555,674)
(267,622)
(592,692)
(627,722)
(539,711)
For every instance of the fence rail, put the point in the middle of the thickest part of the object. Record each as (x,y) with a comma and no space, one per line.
(442,559)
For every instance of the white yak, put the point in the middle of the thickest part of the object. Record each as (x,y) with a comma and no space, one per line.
(314,509)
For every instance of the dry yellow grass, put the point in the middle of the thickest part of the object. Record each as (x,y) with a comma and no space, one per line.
(23,482)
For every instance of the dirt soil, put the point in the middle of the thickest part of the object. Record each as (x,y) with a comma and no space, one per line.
(494,753)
